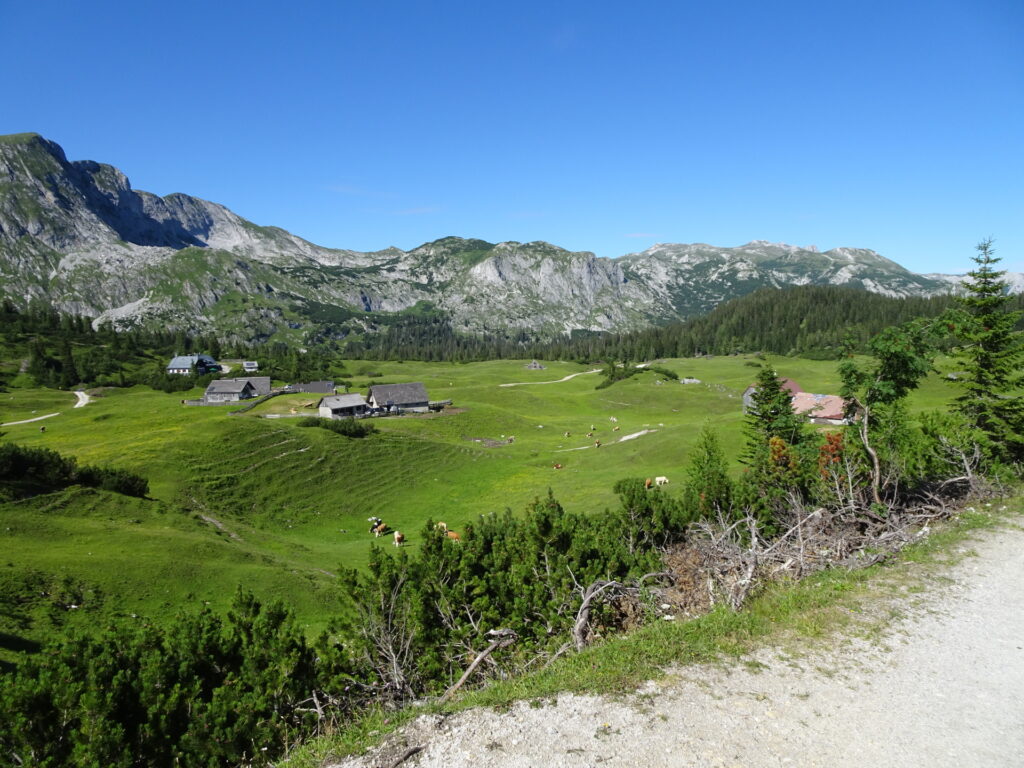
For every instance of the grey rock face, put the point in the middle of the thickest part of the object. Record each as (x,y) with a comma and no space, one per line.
(78,235)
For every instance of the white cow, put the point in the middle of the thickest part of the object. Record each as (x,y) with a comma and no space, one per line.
(661,480)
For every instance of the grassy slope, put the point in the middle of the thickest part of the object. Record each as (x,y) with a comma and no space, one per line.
(298,499)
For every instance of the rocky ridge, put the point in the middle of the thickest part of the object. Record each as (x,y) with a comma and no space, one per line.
(76,234)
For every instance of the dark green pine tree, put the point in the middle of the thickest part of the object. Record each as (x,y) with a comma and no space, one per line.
(771,414)
(68,371)
(991,351)
(708,489)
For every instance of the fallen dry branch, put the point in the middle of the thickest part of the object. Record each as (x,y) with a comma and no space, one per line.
(734,559)
(502,639)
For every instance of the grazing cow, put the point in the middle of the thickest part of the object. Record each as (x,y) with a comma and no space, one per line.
(592,427)
(567,433)
(453,536)
(557,466)
(374,522)
(612,419)
(661,480)
(399,538)
(648,483)
(441,526)
(597,443)
(377,526)
(590,434)
(615,429)
(42,429)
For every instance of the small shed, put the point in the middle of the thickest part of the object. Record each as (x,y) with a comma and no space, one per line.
(342,406)
(229,391)
(399,397)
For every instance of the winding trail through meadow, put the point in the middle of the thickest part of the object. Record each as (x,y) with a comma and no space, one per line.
(556,381)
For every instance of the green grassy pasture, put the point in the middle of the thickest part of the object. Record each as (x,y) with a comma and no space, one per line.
(292,502)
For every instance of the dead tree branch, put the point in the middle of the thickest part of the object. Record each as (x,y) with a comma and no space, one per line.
(502,639)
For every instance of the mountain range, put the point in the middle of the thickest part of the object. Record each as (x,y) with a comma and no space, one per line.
(76,235)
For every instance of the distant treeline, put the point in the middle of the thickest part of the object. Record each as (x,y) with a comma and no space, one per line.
(65,351)
(810,321)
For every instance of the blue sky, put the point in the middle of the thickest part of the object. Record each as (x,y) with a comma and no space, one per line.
(606,127)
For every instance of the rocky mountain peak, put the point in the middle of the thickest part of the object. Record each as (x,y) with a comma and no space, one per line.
(78,234)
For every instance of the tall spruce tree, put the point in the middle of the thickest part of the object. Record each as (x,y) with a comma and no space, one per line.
(991,351)
(708,489)
(771,414)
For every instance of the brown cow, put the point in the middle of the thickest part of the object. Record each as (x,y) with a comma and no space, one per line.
(557,466)
(648,483)
(399,538)
(453,536)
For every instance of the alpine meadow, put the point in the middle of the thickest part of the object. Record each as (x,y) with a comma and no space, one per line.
(447,387)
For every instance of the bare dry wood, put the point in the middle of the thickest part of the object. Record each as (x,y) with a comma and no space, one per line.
(502,639)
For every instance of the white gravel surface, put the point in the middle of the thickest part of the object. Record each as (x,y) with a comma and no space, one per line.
(943,687)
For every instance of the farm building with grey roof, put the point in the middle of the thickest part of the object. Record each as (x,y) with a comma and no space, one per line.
(342,406)
(186,364)
(229,391)
(405,397)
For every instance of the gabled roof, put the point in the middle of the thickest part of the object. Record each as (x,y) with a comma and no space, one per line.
(788,385)
(353,400)
(260,383)
(818,406)
(188,361)
(399,394)
(315,387)
(182,361)
(228,386)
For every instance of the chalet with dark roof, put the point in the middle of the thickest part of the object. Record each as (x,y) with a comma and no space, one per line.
(399,397)
(229,391)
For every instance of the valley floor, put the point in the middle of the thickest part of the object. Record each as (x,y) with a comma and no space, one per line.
(943,686)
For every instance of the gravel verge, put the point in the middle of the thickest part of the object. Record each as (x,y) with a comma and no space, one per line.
(943,686)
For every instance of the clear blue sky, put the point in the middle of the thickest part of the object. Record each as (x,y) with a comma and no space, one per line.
(897,126)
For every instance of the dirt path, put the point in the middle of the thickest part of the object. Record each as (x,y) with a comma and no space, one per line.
(945,687)
(622,439)
(556,381)
(29,421)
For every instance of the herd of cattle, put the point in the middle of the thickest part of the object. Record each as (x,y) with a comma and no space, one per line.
(379,528)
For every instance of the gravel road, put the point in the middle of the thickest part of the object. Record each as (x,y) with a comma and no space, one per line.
(943,687)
